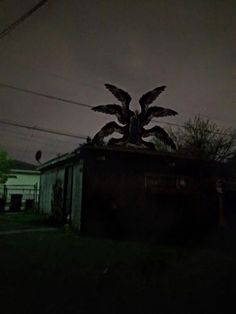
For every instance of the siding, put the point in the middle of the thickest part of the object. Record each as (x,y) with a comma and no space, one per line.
(47,181)
(77,195)
(23,179)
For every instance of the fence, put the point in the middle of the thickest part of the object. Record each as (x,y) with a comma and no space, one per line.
(19,197)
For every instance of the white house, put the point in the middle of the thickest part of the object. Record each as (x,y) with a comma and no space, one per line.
(22,187)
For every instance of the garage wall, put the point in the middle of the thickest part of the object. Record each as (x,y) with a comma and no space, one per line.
(47,180)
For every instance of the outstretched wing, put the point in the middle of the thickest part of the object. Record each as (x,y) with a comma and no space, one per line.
(161,134)
(120,94)
(108,109)
(106,130)
(149,97)
(112,109)
(156,112)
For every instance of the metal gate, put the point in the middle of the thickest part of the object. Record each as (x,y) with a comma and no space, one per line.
(21,197)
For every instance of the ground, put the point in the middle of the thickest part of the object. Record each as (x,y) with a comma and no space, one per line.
(59,271)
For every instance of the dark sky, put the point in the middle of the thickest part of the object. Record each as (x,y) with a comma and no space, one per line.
(70,48)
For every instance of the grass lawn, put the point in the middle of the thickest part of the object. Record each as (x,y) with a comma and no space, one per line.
(61,272)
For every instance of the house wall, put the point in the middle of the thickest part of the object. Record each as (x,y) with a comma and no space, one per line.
(21,183)
(138,195)
(48,179)
(132,194)
(23,179)
(77,195)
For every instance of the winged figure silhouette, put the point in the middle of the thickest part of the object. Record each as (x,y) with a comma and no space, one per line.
(132,123)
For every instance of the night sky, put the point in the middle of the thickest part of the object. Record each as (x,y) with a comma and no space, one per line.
(70,48)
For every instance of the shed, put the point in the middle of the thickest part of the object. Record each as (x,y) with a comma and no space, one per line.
(113,190)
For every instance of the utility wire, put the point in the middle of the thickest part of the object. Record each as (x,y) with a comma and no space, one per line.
(28,91)
(38,140)
(29,127)
(25,16)
(37,137)
(33,151)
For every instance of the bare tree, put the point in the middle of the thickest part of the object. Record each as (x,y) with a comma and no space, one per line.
(204,139)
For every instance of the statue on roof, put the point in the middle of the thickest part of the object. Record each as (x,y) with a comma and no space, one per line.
(132,123)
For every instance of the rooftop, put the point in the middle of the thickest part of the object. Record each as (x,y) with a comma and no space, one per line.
(86,150)
(22,165)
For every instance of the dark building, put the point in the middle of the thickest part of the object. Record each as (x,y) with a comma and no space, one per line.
(132,193)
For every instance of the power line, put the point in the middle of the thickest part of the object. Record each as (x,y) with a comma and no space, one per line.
(39,140)
(33,151)
(40,129)
(79,104)
(28,91)
(37,137)
(12,26)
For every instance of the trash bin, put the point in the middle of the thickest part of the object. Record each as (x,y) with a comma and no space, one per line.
(2,204)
